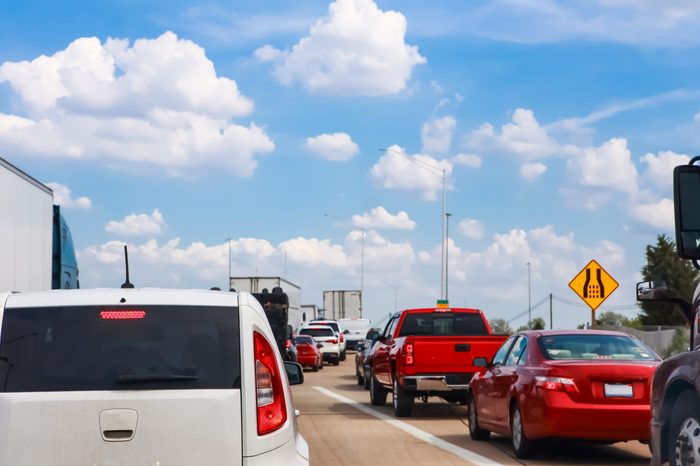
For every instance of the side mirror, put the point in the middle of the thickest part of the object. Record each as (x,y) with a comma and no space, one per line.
(345,332)
(319,345)
(481,362)
(651,291)
(372,335)
(686,200)
(295,374)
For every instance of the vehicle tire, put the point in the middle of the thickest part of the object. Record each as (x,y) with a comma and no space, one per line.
(366,377)
(315,368)
(336,361)
(402,401)
(476,432)
(522,446)
(360,379)
(684,430)
(377,393)
(343,355)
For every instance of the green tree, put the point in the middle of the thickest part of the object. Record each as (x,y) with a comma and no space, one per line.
(500,326)
(679,275)
(537,323)
(612,319)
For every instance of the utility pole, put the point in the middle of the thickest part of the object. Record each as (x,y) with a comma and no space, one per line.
(443,292)
(529,293)
(447,255)
(551,324)
(229,262)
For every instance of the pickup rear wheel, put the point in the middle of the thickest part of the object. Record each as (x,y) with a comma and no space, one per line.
(684,430)
(476,432)
(377,393)
(402,401)
(360,379)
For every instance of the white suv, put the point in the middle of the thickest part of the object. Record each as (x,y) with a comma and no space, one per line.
(338,329)
(327,337)
(129,376)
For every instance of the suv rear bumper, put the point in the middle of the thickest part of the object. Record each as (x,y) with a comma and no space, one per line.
(437,383)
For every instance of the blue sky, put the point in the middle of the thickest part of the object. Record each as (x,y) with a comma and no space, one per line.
(172,126)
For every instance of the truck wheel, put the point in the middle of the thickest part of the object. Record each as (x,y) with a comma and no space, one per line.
(522,446)
(684,430)
(402,400)
(377,393)
(476,432)
(314,368)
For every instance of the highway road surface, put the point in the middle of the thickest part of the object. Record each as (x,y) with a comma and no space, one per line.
(342,428)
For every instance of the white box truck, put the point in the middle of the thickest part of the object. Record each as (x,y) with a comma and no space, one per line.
(342,304)
(309,312)
(257,284)
(26,231)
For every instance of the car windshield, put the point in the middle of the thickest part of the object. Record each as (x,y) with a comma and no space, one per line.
(303,339)
(317,332)
(443,323)
(98,348)
(594,346)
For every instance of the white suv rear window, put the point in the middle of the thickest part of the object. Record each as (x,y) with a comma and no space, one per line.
(117,348)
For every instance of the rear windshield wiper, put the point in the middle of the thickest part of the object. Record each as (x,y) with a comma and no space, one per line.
(134,378)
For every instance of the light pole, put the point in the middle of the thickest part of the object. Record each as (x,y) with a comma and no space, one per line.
(447,255)
(442,173)
(529,305)
(362,255)
(229,262)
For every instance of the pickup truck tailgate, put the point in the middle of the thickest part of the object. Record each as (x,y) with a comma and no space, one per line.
(452,354)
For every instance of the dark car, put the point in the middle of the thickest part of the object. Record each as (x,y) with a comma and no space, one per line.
(363,350)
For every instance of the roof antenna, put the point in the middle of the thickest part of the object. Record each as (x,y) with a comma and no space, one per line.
(127,283)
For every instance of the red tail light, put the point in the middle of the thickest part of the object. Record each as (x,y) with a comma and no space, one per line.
(561,384)
(409,354)
(289,344)
(341,337)
(122,315)
(272,408)
(334,341)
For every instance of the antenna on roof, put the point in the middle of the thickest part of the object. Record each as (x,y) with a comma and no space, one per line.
(127,283)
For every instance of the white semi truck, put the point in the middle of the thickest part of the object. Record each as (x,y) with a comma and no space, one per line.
(36,246)
(342,304)
(26,227)
(258,284)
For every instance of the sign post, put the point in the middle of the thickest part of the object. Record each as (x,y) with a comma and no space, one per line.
(593,285)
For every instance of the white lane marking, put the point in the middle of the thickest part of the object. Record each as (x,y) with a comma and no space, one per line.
(460,452)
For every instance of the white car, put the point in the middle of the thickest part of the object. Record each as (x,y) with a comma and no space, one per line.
(143,376)
(327,337)
(338,331)
(355,331)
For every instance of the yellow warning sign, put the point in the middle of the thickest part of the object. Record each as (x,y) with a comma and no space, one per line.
(593,284)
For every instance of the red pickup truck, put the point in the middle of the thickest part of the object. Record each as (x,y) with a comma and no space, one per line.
(429,352)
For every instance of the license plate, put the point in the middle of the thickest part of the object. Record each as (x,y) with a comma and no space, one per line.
(618,390)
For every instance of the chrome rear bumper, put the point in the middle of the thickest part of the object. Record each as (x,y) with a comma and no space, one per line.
(432,383)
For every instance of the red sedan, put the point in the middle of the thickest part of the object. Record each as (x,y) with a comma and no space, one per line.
(583,384)
(308,354)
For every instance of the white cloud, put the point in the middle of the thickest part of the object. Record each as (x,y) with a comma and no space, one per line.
(659,171)
(137,224)
(157,102)
(436,135)
(337,147)
(471,228)
(379,218)
(357,49)
(523,137)
(659,215)
(608,166)
(396,171)
(467,160)
(315,252)
(436,86)
(62,197)
(531,171)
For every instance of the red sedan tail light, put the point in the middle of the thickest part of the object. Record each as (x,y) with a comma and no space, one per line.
(561,384)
